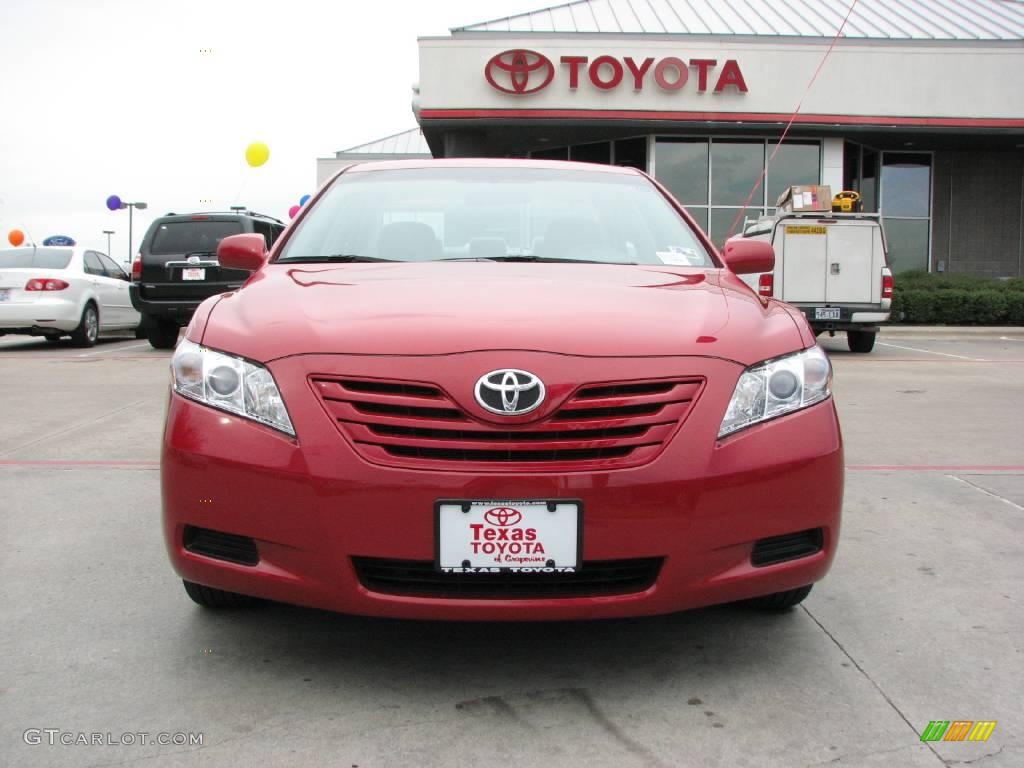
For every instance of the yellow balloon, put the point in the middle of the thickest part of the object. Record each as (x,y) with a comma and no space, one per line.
(257,153)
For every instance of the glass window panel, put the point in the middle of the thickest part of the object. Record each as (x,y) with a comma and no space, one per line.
(851,167)
(906,184)
(700,215)
(908,243)
(682,166)
(632,153)
(600,152)
(722,219)
(735,168)
(555,153)
(793,164)
(869,181)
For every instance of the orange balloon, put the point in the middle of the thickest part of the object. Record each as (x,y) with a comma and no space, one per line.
(16,237)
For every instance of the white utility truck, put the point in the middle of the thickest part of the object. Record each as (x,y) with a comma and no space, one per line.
(831,266)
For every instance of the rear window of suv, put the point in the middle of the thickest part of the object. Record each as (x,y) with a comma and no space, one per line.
(35,258)
(181,237)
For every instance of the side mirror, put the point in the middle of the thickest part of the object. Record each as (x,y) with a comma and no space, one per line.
(247,252)
(746,256)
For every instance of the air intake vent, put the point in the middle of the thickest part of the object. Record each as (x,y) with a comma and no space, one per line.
(792,546)
(417,425)
(594,578)
(222,546)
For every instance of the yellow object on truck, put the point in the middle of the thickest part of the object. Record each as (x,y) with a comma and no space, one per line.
(847,201)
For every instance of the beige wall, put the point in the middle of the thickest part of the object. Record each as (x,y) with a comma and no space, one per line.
(871,78)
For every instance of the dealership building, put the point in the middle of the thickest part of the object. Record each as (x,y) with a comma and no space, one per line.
(918,105)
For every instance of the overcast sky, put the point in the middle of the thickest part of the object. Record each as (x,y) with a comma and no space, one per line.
(102,97)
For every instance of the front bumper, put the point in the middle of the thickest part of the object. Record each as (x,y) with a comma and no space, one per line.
(314,504)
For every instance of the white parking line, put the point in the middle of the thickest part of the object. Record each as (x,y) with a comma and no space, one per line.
(1010,338)
(926,351)
(987,492)
(112,348)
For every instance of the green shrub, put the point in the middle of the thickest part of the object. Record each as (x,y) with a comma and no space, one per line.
(921,298)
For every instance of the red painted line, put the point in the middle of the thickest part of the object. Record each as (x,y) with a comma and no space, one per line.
(936,468)
(729,117)
(84,463)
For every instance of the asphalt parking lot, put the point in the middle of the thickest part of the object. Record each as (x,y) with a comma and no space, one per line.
(919,620)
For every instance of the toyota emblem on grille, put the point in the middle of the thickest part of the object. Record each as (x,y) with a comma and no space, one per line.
(509,392)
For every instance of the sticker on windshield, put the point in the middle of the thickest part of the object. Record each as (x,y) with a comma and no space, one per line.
(680,257)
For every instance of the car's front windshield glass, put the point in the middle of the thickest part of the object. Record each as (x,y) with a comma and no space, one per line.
(495,213)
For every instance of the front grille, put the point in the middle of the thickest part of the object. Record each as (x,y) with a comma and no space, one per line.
(779,549)
(462,454)
(419,578)
(416,424)
(222,546)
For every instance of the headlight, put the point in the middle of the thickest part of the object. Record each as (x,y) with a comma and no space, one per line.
(777,387)
(229,383)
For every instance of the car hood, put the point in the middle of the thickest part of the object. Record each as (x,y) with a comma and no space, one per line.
(442,308)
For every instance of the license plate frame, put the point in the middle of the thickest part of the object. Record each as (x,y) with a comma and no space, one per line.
(828,313)
(559,533)
(193,273)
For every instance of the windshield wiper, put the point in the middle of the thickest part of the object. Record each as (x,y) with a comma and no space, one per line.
(339,258)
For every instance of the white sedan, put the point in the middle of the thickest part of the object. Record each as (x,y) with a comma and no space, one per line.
(61,291)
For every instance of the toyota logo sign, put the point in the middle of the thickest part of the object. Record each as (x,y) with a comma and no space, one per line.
(519,71)
(509,392)
(503,517)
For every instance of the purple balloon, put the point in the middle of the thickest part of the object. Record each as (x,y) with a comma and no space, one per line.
(114,203)
(292,211)
(304,199)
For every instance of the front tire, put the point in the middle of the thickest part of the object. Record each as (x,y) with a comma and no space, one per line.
(88,329)
(781,601)
(162,334)
(860,341)
(208,597)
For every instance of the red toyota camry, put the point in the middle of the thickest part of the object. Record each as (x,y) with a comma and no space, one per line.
(499,389)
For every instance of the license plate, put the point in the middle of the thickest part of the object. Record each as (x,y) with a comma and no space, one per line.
(193,273)
(5,294)
(826,313)
(503,535)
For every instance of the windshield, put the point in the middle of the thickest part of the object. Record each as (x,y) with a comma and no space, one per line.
(35,258)
(180,237)
(431,214)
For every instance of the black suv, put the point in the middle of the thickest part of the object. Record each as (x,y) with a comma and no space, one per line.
(177,267)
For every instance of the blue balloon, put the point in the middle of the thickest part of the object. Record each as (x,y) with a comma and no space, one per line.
(304,199)
(114,203)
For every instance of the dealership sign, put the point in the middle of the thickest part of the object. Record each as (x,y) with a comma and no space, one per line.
(520,72)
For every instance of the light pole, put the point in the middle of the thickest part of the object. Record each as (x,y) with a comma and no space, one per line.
(108,233)
(115,203)
(129,206)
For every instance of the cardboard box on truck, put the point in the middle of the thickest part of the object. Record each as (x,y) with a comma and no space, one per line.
(806,197)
